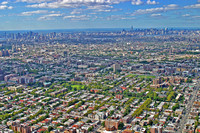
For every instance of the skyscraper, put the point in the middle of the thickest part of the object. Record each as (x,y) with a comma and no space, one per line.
(116,67)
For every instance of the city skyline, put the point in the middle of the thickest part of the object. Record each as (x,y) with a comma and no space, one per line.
(86,14)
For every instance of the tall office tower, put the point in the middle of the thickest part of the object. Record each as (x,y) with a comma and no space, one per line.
(116,67)
(131,28)
(13,48)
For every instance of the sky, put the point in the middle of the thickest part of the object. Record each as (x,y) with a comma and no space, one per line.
(88,14)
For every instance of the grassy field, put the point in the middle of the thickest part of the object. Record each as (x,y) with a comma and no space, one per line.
(141,76)
(146,76)
(79,87)
(131,75)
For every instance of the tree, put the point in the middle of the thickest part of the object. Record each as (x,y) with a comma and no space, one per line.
(60,113)
(171,96)
(111,112)
(21,121)
(196,124)
(90,129)
(121,125)
(150,122)
(197,118)
(155,96)
(165,106)
(103,124)
(50,128)
(189,80)
(144,106)
(88,121)
(176,106)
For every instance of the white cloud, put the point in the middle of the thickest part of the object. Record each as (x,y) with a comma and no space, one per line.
(54,5)
(186,15)
(33,12)
(73,3)
(136,2)
(139,2)
(80,3)
(50,16)
(156,15)
(4,3)
(149,2)
(34,1)
(195,17)
(192,6)
(54,15)
(156,10)
(120,17)
(102,8)
(92,13)
(77,11)
(42,5)
(151,10)
(127,18)
(171,7)
(95,5)
(79,17)
(10,7)
(3,7)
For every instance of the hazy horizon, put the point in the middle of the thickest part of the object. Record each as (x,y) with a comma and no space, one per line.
(97,29)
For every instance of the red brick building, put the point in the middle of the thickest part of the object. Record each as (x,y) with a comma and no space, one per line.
(111,125)
(119,96)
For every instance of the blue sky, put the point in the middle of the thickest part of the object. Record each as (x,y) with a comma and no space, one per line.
(78,14)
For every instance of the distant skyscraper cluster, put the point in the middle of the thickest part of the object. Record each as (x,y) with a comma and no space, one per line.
(4,53)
